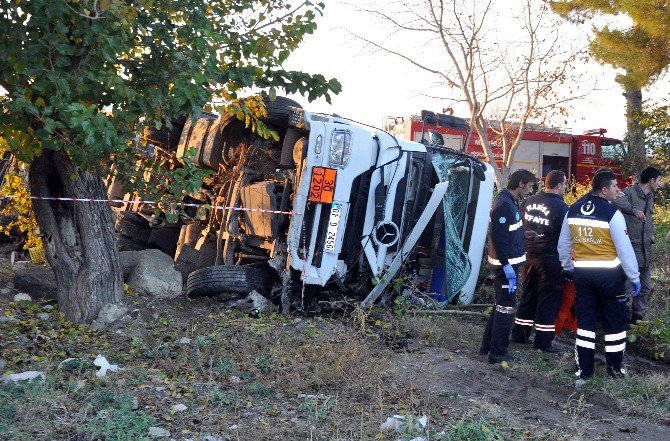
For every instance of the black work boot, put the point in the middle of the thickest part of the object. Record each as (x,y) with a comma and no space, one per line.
(616,372)
(499,359)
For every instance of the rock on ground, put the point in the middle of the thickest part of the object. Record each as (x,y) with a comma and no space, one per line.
(108,314)
(154,275)
(36,280)
(158,432)
(22,296)
(128,261)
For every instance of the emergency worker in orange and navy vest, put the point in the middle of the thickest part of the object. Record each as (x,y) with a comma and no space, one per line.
(595,249)
(506,254)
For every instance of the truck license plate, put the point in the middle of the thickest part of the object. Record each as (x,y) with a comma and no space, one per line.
(322,186)
(333,223)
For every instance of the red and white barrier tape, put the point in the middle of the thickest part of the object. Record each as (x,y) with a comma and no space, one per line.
(178,204)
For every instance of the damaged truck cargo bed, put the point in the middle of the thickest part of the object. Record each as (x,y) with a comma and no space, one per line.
(333,210)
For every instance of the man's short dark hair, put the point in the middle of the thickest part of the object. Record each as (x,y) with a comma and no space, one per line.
(521,176)
(554,178)
(649,173)
(604,169)
(602,179)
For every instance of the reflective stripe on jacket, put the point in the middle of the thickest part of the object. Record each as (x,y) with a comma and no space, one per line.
(594,235)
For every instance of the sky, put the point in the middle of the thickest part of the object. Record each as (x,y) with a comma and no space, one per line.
(377,84)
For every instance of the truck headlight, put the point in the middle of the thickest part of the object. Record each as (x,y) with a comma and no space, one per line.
(340,148)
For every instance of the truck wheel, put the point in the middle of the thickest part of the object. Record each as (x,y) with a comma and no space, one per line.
(134,226)
(165,137)
(125,243)
(278,110)
(235,280)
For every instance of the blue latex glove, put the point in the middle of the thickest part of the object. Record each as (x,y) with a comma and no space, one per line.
(568,276)
(511,277)
(637,286)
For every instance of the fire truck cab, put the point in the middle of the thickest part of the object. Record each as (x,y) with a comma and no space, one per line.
(542,149)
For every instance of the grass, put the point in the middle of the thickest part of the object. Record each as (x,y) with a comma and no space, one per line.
(273,377)
(652,336)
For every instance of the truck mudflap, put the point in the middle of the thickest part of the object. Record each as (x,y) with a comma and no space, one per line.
(431,207)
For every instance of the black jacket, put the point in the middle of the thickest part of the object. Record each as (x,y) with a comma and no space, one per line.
(505,232)
(543,213)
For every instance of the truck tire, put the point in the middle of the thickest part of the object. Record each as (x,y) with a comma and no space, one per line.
(125,243)
(236,280)
(278,110)
(134,226)
(165,239)
(166,137)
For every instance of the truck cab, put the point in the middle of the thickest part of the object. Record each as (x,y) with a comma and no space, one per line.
(332,209)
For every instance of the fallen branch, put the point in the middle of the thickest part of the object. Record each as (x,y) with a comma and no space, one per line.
(447,312)
(472,305)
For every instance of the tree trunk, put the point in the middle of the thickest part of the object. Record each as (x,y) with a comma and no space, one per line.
(78,236)
(637,155)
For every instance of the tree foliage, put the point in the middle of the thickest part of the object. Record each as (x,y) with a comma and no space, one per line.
(80,74)
(656,120)
(638,44)
(641,47)
(83,76)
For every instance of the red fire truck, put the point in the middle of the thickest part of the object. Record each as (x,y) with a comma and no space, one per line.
(542,148)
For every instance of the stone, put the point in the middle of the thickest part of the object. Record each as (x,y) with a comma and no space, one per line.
(108,314)
(184,341)
(36,280)
(22,296)
(155,276)
(5,291)
(234,379)
(136,404)
(158,432)
(8,320)
(128,261)
(48,308)
(178,407)
(43,316)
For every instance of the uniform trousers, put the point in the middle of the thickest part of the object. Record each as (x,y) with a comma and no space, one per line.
(495,341)
(600,293)
(541,300)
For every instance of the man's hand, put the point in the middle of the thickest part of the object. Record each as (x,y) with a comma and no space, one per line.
(639,214)
(530,234)
(511,277)
(637,286)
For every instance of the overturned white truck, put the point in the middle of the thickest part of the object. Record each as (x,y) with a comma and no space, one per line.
(333,209)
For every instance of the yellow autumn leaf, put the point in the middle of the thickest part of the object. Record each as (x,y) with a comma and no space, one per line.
(39,102)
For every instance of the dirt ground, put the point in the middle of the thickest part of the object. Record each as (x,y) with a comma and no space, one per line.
(529,400)
(334,377)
